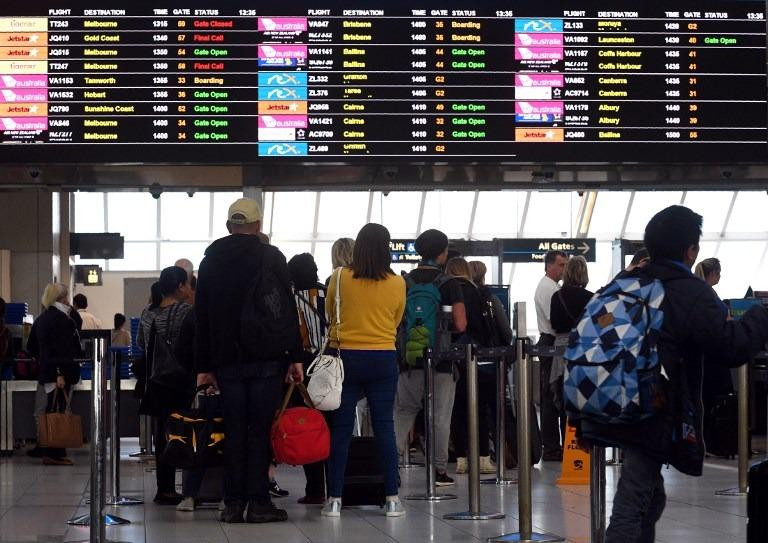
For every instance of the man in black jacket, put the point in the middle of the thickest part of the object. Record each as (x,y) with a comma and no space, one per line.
(250,379)
(694,323)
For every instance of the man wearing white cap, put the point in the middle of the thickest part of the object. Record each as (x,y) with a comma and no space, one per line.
(248,342)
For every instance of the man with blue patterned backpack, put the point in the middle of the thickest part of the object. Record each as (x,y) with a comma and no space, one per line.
(634,368)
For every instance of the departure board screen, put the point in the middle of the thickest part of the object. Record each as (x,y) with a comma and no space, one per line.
(376,82)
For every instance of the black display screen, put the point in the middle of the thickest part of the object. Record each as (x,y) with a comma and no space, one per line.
(451,81)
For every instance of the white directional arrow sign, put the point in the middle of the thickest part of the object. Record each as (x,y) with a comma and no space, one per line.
(585,248)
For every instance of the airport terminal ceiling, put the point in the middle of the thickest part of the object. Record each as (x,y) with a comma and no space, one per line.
(386,87)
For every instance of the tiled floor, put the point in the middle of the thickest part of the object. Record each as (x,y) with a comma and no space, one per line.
(36,501)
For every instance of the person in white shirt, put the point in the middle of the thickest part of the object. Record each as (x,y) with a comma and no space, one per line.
(552,421)
(90,322)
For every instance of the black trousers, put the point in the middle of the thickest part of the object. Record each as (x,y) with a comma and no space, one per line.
(552,418)
(165,475)
(249,408)
(486,408)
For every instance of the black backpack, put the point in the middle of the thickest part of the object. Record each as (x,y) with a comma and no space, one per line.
(269,321)
(481,325)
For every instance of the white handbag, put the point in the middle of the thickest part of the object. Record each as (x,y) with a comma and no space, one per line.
(326,372)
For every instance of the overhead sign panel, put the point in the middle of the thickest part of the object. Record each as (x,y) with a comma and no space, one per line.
(381,81)
(534,249)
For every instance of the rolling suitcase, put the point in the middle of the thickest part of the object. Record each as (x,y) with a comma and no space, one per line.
(722,437)
(363,478)
(757,504)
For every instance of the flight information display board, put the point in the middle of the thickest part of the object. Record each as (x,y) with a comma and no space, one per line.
(515,82)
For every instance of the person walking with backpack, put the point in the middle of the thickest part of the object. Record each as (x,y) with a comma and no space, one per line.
(481,331)
(431,297)
(372,305)
(170,385)
(247,344)
(657,317)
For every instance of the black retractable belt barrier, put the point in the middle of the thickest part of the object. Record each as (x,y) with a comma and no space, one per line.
(475,512)
(431,358)
(499,355)
(524,491)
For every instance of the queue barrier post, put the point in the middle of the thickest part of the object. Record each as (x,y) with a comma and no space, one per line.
(743,424)
(115,499)
(500,354)
(524,491)
(98,485)
(597,494)
(431,494)
(475,512)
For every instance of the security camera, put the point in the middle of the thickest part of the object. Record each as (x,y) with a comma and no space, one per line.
(191,193)
(34,173)
(156,190)
(390,173)
(385,193)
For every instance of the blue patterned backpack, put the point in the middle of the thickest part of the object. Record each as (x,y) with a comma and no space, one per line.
(613,374)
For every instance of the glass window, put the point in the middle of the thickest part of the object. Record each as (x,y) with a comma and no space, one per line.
(185,218)
(600,271)
(89,212)
(132,214)
(292,248)
(221,203)
(171,251)
(449,212)
(740,261)
(712,206)
(551,214)
(608,215)
(498,214)
(294,213)
(269,198)
(645,206)
(137,257)
(323,259)
(398,211)
(749,213)
(342,214)
(522,288)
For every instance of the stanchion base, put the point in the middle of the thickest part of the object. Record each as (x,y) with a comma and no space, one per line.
(499,482)
(730,492)
(109,520)
(473,515)
(411,465)
(433,498)
(123,500)
(518,537)
(141,454)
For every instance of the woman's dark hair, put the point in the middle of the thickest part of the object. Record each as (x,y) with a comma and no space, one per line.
(155,296)
(302,270)
(671,232)
(171,278)
(119,320)
(371,258)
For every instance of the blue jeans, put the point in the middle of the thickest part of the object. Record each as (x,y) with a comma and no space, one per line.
(375,374)
(639,500)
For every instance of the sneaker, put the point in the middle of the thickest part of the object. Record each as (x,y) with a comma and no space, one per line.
(187,505)
(275,490)
(461,465)
(259,513)
(233,513)
(486,466)
(442,479)
(394,508)
(332,508)
(311,500)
